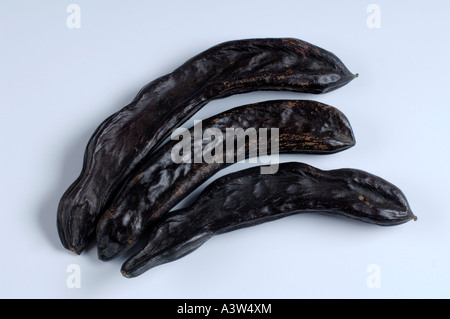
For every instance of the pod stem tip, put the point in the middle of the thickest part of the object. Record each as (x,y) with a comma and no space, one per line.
(125,274)
(75,251)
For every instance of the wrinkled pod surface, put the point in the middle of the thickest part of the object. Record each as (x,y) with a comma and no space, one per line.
(124,139)
(304,126)
(246,198)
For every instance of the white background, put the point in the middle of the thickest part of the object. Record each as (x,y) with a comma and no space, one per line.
(58,84)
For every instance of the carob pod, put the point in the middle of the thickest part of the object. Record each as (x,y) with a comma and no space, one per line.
(304,126)
(247,198)
(128,136)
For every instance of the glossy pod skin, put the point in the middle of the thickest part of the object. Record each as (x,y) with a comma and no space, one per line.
(130,135)
(247,198)
(304,126)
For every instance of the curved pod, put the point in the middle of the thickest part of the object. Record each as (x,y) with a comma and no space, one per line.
(304,126)
(247,198)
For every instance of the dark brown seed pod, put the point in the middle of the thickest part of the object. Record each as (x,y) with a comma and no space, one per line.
(304,126)
(130,135)
(247,198)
